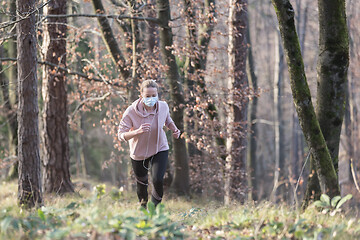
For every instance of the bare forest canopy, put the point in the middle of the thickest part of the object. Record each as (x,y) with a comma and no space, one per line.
(264,93)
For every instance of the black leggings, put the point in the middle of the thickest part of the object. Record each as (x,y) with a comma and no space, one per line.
(158,168)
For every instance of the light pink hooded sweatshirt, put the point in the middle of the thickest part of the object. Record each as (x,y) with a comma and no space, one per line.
(146,144)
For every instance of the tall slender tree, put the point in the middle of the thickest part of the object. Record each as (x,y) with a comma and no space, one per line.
(11,88)
(332,70)
(56,158)
(181,175)
(110,41)
(302,99)
(197,45)
(136,48)
(252,129)
(237,102)
(29,190)
(280,171)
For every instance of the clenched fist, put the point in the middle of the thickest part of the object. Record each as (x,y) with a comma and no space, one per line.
(145,127)
(177,133)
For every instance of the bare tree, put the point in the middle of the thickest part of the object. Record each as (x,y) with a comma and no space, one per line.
(10,96)
(56,159)
(302,99)
(198,39)
(136,48)
(237,102)
(181,175)
(110,40)
(252,129)
(332,69)
(29,192)
(280,169)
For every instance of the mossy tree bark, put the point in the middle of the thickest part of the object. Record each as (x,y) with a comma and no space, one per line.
(237,103)
(297,142)
(332,70)
(181,176)
(56,154)
(301,94)
(29,186)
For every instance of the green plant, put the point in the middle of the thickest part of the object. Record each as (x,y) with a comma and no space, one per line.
(99,190)
(331,205)
(116,194)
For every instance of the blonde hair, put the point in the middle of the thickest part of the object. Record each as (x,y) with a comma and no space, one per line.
(148,84)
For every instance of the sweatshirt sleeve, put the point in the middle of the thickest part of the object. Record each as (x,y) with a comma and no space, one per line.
(125,125)
(169,123)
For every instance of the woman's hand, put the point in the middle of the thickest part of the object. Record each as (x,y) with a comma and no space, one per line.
(145,127)
(177,133)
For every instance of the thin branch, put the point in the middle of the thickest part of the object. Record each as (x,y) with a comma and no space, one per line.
(119,3)
(91,99)
(10,23)
(3,70)
(354,175)
(102,77)
(149,19)
(2,40)
(66,70)
(97,71)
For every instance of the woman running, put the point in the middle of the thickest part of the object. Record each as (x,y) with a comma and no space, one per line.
(142,125)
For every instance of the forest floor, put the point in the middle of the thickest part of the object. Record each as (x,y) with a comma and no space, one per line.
(104,212)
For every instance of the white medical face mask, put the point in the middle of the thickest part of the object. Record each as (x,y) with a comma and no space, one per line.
(150,101)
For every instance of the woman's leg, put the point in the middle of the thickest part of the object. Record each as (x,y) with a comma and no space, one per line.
(158,170)
(141,175)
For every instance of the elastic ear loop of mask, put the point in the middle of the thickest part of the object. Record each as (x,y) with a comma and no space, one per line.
(147,147)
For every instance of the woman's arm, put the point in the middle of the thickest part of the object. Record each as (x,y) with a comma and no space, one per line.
(169,123)
(125,131)
(130,134)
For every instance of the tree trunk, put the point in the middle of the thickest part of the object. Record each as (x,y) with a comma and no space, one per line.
(332,68)
(191,73)
(199,42)
(237,103)
(313,189)
(302,99)
(332,77)
(10,114)
(280,171)
(351,110)
(110,40)
(84,158)
(56,158)
(181,176)
(29,188)
(151,28)
(12,97)
(252,129)
(135,45)
(297,142)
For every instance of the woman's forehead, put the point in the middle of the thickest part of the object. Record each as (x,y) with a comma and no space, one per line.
(150,90)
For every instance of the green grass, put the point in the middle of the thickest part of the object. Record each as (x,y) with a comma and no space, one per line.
(106,213)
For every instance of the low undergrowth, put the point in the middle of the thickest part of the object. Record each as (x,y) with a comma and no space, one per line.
(109,213)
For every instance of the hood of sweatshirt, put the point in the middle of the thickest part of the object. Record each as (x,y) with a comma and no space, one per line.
(139,108)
